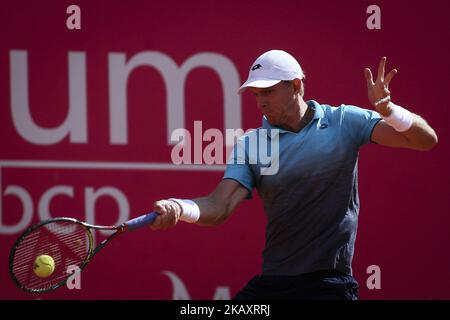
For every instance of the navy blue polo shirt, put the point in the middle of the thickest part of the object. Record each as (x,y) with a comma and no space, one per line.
(309,187)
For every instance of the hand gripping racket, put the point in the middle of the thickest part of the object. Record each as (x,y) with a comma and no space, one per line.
(68,241)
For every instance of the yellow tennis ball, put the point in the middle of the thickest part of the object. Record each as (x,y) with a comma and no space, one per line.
(44,266)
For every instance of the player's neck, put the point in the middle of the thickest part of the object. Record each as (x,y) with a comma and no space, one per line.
(299,118)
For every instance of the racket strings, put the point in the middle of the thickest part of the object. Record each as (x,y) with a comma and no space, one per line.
(68,243)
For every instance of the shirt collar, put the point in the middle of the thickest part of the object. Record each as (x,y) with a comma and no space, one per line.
(318,114)
(318,110)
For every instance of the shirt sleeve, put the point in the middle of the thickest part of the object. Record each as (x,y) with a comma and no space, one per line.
(359,123)
(238,167)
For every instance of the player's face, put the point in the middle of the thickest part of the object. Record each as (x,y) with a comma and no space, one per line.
(275,102)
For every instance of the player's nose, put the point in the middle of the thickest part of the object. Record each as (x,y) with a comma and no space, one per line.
(261,103)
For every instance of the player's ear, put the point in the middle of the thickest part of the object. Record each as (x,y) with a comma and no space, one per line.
(297,85)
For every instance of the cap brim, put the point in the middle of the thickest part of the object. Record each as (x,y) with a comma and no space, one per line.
(258,83)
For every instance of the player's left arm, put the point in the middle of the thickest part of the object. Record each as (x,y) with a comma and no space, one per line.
(419,136)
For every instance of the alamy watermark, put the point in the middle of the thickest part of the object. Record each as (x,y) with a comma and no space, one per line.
(374,20)
(74,280)
(74,20)
(258,147)
(374,279)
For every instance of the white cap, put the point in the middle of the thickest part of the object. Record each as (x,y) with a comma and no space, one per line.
(271,68)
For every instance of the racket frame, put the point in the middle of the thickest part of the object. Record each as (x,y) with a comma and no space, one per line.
(91,250)
(129,225)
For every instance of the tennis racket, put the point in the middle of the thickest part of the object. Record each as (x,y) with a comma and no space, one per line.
(69,242)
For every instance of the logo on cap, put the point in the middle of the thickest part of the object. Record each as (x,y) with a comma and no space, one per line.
(256,66)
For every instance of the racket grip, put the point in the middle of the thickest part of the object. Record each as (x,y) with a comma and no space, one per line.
(141,221)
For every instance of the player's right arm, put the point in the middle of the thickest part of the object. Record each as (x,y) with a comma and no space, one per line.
(214,208)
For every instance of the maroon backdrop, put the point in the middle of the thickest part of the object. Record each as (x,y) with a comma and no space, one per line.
(403,226)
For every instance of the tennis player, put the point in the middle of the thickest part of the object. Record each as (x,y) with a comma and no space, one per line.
(312,201)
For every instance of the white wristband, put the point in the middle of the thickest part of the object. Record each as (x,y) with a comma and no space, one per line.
(400,118)
(190,210)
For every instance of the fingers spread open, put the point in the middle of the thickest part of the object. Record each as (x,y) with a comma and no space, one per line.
(369,78)
(389,77)
(380,76)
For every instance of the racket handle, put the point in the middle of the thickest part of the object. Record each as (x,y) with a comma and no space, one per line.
(141,221)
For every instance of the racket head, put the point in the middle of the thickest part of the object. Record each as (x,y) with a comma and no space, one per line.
(68,241)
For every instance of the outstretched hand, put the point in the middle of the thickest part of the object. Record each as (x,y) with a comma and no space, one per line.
(378,91)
